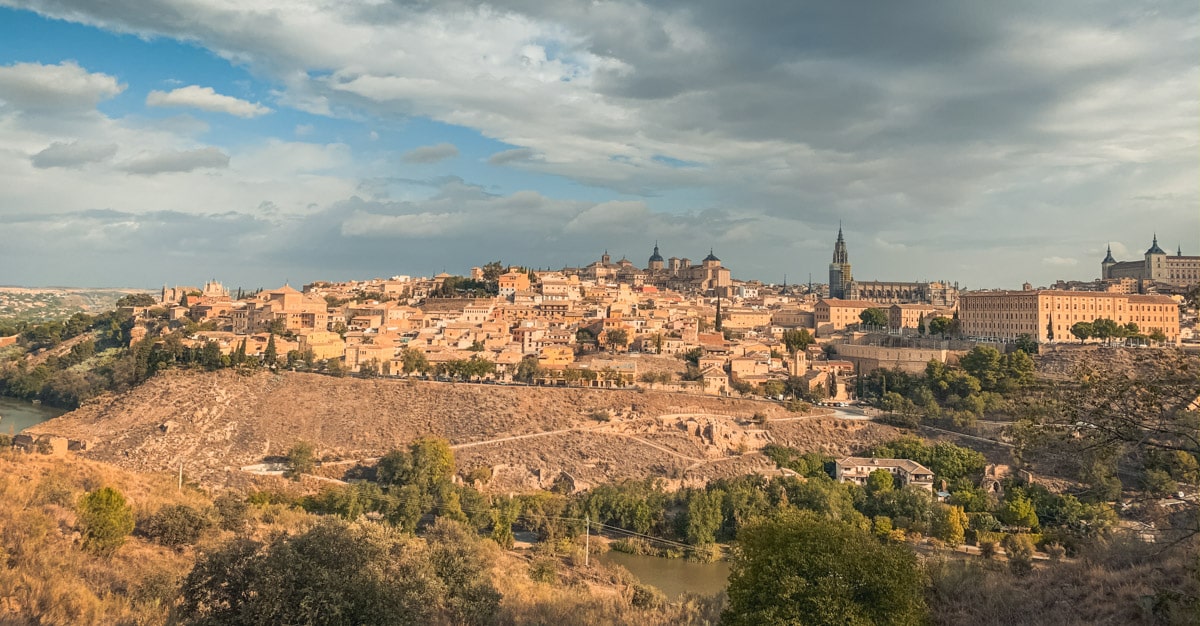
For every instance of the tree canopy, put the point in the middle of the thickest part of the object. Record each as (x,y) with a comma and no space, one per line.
(800,569)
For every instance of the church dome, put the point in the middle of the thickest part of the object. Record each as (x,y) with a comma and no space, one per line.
(711,256)
(656,256)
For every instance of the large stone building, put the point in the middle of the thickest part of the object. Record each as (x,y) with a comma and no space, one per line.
(1156,266)
(840,276)
(1048,315)
(843,286)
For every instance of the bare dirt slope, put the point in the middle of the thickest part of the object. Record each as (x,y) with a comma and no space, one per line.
(216,423)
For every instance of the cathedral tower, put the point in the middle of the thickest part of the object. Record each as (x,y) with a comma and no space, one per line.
(839,270)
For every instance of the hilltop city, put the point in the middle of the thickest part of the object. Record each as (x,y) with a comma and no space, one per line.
(589,325)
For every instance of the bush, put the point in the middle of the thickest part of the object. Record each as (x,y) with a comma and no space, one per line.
(176,525)
(104,520)
(232,512)
(544,570)
(1019,549)
(987,549)
(301,459)
(647,597)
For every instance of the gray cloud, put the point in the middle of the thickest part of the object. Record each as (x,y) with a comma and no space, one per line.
(515,155)
(74,154)
(33,87)
(973,139)
(430,154)
(178,161)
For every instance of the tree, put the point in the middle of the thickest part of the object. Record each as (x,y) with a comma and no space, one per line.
(271,354)
(704,516)
(334,573)
(1019,550)
(797,340)
(104,520)
(459,561)
(176,525)
(413,360)
(1082,331)
(873,317)
(136,300)
(800,569)
(1018,510)
(921,325)
(616,338)
(939,325)
(527,369)
(880,481)
(1157,335)
(949,524)
(1027,344)
(492,271)
(301,459)
(983,362)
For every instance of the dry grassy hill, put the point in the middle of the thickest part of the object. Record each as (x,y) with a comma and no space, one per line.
(215,423)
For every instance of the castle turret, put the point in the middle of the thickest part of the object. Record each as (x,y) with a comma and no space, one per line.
(1156,262)
(1107,263)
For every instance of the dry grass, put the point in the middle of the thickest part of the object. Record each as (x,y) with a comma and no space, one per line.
(48,579)
(1126,583)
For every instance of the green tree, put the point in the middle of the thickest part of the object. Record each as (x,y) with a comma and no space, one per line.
(104,520)
(800,569)
(873,317)
(616,338)
(271,354)
(301,459)
(797,340)
(1018,510)
(921,325)
(1157,335)
(880,481)
(177,525)
(939,325)
(136,299)
(1019,550)
(459,561)
(704,516)
(949,524)
(334,573)
(527,369)
(1082,331)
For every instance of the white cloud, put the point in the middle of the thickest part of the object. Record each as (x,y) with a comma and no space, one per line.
(430,154)
(73,154)
(207,99)
(303,130)
(34,87)
(177,161)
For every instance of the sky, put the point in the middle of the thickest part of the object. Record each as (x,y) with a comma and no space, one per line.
(260,142)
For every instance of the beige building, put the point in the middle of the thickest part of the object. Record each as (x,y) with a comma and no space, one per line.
(833,314)
(857,469)
(1156,266)
(1040,313)
(908,316)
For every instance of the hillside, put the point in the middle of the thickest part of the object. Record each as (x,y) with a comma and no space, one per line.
(215,423)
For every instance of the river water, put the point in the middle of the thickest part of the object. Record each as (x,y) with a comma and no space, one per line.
(673,576)
(17,415)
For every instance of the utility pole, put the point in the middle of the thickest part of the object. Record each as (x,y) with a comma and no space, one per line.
(587,539)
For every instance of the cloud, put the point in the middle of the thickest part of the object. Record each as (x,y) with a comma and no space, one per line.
(1058,261)
(511,156)
(74,154)
(430,154)
(205,98)
(66,86)
(178,161)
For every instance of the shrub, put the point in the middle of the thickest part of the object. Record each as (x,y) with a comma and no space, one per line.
(646,596)
(544,570)
(232,512)
(176,525)
(1019,549)
(104,520)
(987,549)
(301,459)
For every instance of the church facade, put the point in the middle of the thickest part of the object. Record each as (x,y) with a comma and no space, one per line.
(843,286)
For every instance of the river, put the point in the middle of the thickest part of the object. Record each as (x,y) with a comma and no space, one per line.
(17,415)
(673,576)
